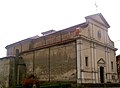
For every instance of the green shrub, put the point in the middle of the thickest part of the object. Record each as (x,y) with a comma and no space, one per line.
(19,86)
(56,85)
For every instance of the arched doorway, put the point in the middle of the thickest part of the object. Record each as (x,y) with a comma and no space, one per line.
(102,74)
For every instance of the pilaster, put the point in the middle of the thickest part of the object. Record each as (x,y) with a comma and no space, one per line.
(106,60)
(92,62)
(80,74)
(95,65)
(109,66)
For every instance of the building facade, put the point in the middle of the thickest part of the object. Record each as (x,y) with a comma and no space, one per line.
(83,53)
(118,66)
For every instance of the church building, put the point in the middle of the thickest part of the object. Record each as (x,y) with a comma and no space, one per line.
(83,53)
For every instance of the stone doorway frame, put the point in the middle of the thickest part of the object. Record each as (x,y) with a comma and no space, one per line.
(101,66)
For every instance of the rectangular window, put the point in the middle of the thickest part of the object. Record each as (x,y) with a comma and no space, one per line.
(112,65)
(86,61)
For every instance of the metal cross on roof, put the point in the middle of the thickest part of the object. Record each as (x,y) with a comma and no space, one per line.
(96,6)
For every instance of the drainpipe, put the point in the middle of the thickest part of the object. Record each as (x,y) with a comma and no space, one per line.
(34,62)
(16,67)
(76,61)
(49,64)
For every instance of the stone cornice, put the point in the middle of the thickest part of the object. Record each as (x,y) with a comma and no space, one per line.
(96,42)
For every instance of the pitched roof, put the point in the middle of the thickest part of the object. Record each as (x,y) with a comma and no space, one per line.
(98,18)
(25,40)
(82,25)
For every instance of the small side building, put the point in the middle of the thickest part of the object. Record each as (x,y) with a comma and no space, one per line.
(118,66)
(12,71)
(5,71)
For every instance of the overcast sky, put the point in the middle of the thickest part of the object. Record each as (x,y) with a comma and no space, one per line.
(21,19)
